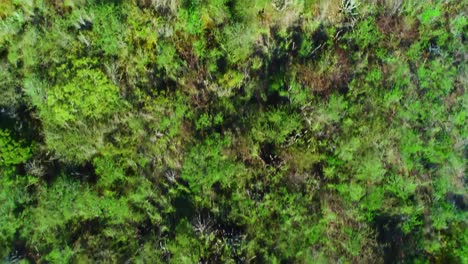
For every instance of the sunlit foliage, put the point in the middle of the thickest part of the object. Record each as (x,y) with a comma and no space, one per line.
(214,131)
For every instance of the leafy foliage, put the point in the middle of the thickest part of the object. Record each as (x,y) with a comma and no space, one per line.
(214,131)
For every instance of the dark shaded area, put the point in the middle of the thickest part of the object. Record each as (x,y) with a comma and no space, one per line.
(460,201)
(84,172)
(397,246)
(20,251)
(267,153)
(320,38)
(390,235)
(184,208)
(20,123)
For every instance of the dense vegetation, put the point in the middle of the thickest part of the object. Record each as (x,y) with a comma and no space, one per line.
(233,131)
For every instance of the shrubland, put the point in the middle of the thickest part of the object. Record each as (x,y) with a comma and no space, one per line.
(214,131)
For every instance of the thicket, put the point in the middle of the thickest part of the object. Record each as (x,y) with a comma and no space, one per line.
(233,131)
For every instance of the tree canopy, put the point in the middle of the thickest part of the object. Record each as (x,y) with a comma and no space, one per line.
(216,131)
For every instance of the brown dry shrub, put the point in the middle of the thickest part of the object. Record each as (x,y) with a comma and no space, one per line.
(64,7)
(345,219)
(404,30)
(342,70)
(317,81)
(321,80)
